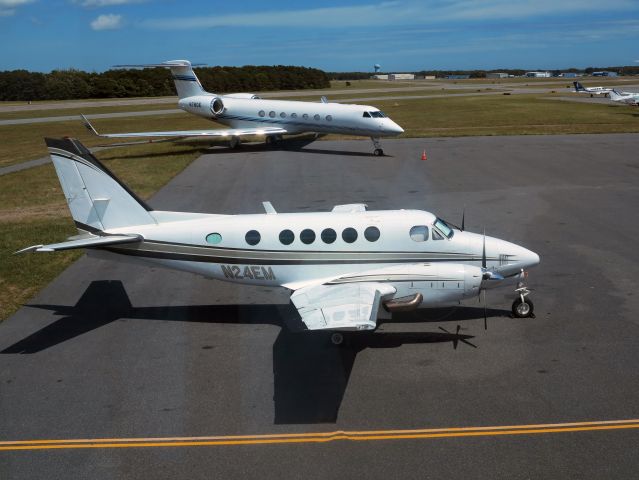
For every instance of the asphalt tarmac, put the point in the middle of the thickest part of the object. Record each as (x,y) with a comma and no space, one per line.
(121,352)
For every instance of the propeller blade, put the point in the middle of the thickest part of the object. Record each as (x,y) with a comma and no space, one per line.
(483,252)
(463,226)
(485,316)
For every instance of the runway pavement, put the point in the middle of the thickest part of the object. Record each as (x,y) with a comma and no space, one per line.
(124,352)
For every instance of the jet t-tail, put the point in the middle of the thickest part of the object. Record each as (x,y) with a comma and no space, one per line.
(345,268)
(249,115)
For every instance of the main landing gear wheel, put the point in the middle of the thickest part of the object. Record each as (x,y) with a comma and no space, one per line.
(523,308)
(337,338)
(378,152)
(235,142)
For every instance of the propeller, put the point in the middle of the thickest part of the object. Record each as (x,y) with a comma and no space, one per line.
(463,225)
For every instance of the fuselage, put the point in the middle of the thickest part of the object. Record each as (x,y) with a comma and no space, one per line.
(294,116)
(400,247)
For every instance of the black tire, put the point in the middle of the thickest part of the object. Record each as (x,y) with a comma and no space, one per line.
(523,309)
(378,152)
(337,338)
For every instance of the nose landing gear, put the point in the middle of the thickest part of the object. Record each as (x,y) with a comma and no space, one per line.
(523,307)
(378,152)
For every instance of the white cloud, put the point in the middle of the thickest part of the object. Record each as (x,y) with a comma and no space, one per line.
(105,3)
(409,12)
(107,22)
(8,7)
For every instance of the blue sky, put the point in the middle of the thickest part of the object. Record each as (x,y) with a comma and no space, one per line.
(346,35)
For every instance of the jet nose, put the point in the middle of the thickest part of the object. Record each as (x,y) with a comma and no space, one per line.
(392,127)
(528,258)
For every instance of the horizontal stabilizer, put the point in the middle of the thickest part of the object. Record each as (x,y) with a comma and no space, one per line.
(90,241)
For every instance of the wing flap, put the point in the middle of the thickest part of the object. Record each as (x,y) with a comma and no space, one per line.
(346,306)
(84,242)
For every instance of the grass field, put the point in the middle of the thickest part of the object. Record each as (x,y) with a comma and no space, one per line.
(33,210)
(86,110)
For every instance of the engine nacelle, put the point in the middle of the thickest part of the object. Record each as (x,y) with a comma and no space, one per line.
(217,106)
(429,284)
(246,96)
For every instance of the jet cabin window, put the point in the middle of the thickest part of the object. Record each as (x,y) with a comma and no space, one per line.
(419,233)
(443,228)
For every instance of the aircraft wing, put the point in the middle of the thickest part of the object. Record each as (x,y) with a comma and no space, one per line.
(221,132)
(83,242)
(351,306)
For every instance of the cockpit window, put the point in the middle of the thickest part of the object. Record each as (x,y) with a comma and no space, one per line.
(444,228)
(378,114)
(366,115)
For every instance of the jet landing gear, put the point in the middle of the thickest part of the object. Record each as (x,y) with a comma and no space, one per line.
(378,152)
(523,307)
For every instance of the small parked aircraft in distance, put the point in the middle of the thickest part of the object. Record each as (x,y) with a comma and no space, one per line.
(579,88)
(631,98)
(345,268)
(248,114)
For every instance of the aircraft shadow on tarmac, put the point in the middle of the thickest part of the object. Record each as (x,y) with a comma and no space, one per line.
(310,374)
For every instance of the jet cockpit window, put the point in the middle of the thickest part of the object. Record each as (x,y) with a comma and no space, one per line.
(419,233)
(366,115)
(444,228)
(378,114)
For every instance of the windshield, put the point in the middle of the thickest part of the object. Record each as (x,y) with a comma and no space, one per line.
(444,228)
(378,114)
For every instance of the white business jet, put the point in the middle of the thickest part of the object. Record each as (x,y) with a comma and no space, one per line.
(579,88)
(248,114)
(345,268)
(631,98)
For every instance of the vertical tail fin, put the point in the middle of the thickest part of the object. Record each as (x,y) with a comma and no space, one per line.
(98,200)
(578,86)
(186,82)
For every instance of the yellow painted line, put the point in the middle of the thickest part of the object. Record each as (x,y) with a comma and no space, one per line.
(319,437)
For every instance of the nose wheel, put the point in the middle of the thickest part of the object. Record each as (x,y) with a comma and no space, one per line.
(378,152)
(522,306)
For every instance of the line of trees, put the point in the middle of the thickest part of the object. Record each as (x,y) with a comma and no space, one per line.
(22,85)
(621,70)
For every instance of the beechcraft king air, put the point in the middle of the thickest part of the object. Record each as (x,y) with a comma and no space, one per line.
(345,268)
(248,114)
(579,88)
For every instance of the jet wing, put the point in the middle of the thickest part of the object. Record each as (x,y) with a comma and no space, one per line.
(222,132)
(83,242)
(351,306)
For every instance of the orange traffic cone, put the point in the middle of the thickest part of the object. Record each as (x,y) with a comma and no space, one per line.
(424,155)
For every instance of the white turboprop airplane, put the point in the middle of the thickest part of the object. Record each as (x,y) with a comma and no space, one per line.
(579,88)
(346,268)
(248,114)
(631,98)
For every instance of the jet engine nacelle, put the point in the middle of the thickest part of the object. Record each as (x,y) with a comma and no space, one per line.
(217,106)
(203,105)
(246,96)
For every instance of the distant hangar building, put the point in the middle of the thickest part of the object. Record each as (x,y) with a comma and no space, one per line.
(538,74)
(395,76)
(604,74)
(496,75)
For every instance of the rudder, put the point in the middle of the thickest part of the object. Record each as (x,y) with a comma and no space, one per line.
(97,199)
